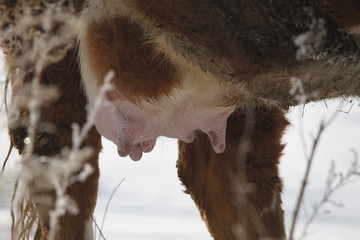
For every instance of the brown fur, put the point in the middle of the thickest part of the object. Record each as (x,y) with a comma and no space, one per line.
(140,71)
(212,179)
(249,46)
(256,37)
(257,43)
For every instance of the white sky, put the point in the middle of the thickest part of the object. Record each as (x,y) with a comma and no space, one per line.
(150,205)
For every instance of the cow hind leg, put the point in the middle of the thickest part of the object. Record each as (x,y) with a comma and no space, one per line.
(238,191)
(45,171)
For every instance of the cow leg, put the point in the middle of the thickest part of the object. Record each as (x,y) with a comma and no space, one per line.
(238,192)
(54,135)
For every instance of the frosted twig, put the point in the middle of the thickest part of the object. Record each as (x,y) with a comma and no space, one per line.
(75,159)
(241,186)
(108,204)
(297,90)
(34,39)
(304,183)
(333,182)
(323,126)
(79,135)
(343,105)
(101,235)
(40,35)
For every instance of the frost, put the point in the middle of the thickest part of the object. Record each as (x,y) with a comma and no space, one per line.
(85,173)
(297,90)
(311,40)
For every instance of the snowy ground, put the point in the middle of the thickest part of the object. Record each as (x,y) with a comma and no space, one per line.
(150,204)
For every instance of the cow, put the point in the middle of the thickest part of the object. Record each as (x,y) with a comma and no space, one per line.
(217,75)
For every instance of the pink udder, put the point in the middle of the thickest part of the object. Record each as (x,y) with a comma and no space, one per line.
(135,130)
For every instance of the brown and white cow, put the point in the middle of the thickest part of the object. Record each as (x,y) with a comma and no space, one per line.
(217,75)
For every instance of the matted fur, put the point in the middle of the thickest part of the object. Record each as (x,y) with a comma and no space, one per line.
(260,57)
